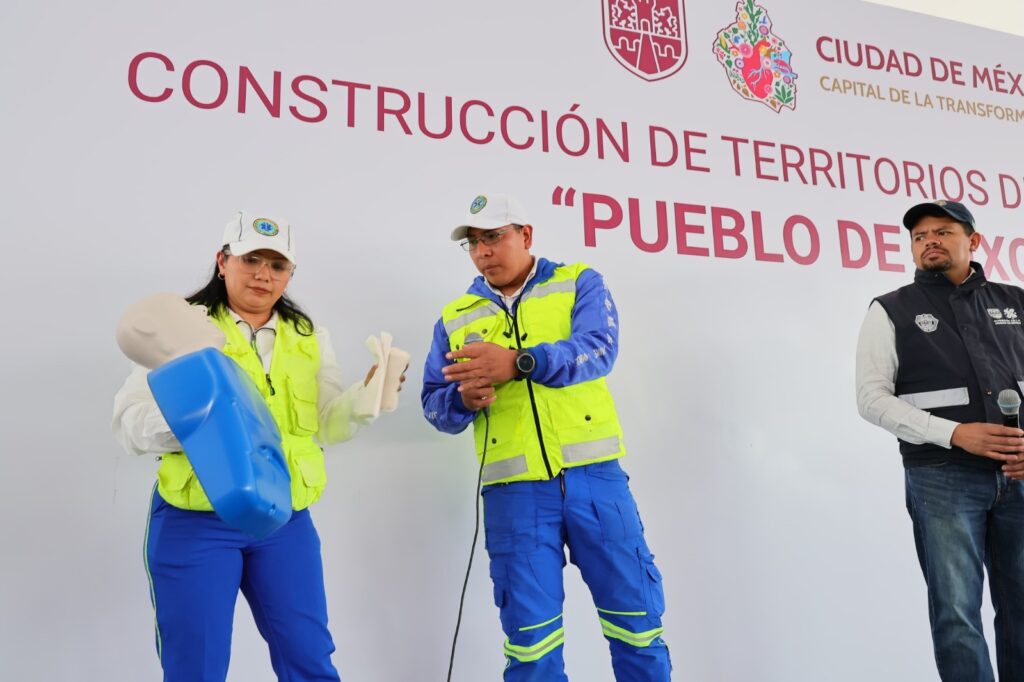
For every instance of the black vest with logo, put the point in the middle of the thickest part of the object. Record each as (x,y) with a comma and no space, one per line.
(958,347)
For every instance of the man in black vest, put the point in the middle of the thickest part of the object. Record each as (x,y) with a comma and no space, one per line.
(932,358)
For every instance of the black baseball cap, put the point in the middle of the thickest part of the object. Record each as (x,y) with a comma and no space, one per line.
(939,208)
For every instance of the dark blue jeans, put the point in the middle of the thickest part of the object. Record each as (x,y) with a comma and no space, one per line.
(967,520)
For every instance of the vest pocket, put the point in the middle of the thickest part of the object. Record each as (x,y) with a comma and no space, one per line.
(311,469)
(305,418)
(178,485)
(505,438)
(175,472)
(587,426)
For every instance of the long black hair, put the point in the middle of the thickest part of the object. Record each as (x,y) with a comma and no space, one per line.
(214,295)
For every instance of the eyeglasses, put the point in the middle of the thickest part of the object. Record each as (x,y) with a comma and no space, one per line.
(250,264)
(488,238)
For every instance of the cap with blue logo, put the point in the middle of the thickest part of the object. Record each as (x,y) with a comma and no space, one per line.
(249,232)
(489,212)
(940,209)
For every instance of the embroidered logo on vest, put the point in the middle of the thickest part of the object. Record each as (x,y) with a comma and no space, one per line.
(1004,316)
(927,322)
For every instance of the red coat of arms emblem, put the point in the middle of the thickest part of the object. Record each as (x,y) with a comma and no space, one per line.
(648,37)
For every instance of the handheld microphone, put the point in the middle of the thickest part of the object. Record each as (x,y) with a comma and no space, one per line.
(473,337)
(1009,405)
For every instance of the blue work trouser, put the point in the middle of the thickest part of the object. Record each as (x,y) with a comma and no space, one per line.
(196,565)
(965,520)
(591,510)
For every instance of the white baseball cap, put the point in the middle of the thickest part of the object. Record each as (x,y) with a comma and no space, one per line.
(489,212)
(249,232)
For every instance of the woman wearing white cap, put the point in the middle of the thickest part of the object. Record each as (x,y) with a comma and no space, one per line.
(197,563)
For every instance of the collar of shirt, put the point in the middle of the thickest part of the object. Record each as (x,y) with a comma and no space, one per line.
(975,277)
(262,339)
(511,298)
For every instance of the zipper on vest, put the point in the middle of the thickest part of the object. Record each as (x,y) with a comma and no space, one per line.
(252,342)
(533,405)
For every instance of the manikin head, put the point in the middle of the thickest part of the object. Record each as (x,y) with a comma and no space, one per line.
(163,327)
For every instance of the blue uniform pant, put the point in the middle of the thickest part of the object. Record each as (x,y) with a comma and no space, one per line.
(590,509)
(966,520)
(197,564)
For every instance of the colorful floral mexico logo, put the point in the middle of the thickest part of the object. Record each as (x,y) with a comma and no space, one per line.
(647,37)
(756,60)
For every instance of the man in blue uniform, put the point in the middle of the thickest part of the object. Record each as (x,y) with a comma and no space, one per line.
(522,356)
(932,358)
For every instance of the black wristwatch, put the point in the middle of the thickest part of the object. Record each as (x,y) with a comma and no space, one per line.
(525,364)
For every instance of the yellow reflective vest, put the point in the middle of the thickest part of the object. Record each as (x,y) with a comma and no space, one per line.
(290,390)
(536,431)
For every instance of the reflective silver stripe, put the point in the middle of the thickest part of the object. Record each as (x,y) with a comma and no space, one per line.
(590,449)
(456,323)
(1020,384)
(929,400)
(495,471)
(568,286)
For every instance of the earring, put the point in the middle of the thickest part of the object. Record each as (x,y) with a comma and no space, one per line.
(220,275)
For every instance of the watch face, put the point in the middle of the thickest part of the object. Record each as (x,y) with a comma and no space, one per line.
(525,363)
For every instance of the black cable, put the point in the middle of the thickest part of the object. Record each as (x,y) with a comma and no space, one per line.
(476,533)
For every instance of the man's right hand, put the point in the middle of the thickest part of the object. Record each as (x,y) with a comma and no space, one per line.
(989,440)
(476,394)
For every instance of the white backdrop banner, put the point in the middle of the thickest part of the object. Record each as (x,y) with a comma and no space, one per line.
(736,170)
